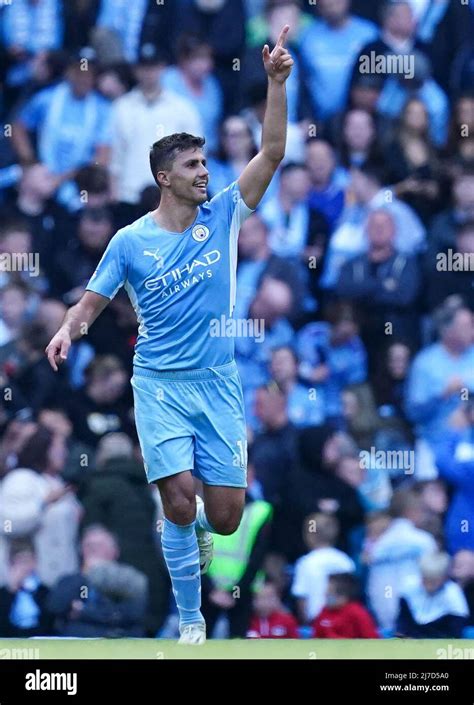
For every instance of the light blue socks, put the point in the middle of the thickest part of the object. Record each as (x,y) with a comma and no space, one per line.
(181,553)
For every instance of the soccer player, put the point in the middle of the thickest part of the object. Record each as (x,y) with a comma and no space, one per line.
(178,265)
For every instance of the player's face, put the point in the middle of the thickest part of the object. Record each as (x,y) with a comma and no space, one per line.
(189,177)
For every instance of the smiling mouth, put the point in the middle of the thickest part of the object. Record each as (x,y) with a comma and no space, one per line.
(201,186)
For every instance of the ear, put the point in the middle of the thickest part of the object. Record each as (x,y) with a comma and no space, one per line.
(162,178)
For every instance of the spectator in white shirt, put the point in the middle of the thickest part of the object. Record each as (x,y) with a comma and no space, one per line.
(312,570)
(394,557)
(142,116)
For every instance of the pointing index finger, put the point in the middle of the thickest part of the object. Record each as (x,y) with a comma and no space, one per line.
(282,37)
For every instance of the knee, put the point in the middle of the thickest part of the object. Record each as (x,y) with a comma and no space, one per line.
(180,508)
(226,522)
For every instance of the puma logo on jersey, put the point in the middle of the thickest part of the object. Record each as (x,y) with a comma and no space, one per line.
(158,258)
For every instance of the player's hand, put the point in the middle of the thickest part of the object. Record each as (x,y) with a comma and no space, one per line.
(278,62)
(58,349)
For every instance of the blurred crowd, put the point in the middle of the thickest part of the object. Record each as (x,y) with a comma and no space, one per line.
(359,264)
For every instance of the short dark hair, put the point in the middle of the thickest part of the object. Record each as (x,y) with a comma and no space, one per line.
(190,43)
(163,152)
(345,585)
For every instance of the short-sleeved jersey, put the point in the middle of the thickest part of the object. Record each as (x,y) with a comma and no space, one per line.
(179,284)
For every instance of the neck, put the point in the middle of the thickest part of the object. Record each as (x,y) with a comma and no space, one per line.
(393,40)
(174,217)
(453,347)
(262,254)
(278,422)
(338,22)
(381,254)
(196,82)
(287,385)
(150,92)
(287,202)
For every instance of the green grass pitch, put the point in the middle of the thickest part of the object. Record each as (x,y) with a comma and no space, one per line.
(237,649)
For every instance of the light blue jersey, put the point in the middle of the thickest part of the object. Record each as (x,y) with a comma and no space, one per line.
(179,284)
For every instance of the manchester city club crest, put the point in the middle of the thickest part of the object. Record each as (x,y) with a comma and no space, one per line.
(200,233)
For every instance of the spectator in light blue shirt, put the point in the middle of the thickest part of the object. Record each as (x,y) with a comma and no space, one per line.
(268,315)
(71,122)
(193,79)
(126,19)
(329,48)
(305,405)
(442,372)
(27,28)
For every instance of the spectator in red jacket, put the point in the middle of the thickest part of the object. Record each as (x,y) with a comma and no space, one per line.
(270,619)
(343,616)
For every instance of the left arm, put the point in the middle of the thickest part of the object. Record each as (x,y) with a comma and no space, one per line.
(257,175)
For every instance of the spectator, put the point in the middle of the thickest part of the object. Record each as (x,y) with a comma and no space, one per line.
(393,557)
(106,599)
(349,239)
(71,122)
(22,600)
(383,283)
(454,457)
(315,486)
(358,143)
(291,221)
(332,354)
(344,616)
(75,263)
(397,36)
(312,571)
(417,83)
(114,80)
(117,497)
(257,262)
(462,571)
(236,148)
(273,449)
(305,405)
(29,370)
(327,193)
(270,619)
(223,25)
(35,209)
(449,271)
(13,311)
(414,162)
(126,21)
(438,375)
(445,224)
(277,14)
(100,406)
(194,80)
(435,607)
(389,382)
(269,312)
(338,36)
(460,146)
(36,503)
(136,116)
